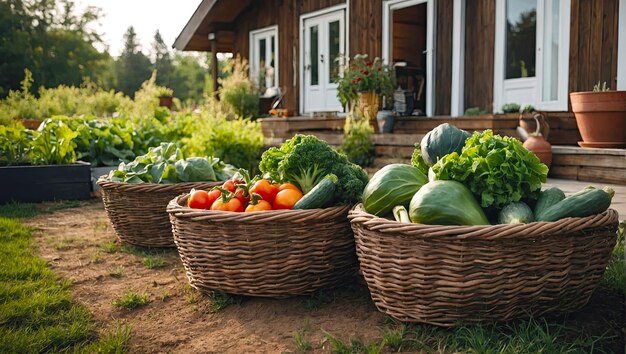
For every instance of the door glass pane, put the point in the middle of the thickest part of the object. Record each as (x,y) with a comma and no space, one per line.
(334,42)
(521,34)
(262,53)
(314,56)
(271,69)
(551,51)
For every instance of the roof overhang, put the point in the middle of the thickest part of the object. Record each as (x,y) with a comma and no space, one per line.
(211,16)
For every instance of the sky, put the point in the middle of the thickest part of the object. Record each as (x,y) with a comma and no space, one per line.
(169,17)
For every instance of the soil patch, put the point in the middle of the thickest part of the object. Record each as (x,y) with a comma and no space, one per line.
(79,245)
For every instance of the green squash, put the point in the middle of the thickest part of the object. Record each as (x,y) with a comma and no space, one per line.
(516,213)
(446,203)
(442,140)
(392,185)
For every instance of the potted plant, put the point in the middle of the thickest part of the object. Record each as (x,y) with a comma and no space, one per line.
(41,165)
(362,84)
(601,117)
(165,97)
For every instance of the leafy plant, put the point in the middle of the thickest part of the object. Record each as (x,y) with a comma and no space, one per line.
(130,300)
(362,74)
(53,144)
(302,343)
(529,108)
(418,161)
(357,142)
(474,111)
(166,164)
(498,170)
(238,91)
(601,88)
(511,108)
(14,144)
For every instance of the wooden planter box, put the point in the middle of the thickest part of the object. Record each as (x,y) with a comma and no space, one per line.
(96,172)
(34,184)
(290,126)
(500,124)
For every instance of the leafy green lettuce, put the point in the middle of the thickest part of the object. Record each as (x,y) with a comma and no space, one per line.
(166,164)
(498,170)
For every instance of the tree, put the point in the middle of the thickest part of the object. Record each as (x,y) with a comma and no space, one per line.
(132,67)
(189,76)
(162,61)
(51,40)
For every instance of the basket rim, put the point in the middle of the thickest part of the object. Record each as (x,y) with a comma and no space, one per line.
(358,215)
(175,208)
(106,184)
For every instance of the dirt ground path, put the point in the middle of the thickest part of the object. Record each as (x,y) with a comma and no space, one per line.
(78,244)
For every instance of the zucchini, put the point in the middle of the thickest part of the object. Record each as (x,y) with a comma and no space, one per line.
(392,185)
(320,196)
(515,213)
(589,201)
(548,198)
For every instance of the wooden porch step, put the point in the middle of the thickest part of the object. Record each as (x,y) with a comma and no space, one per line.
(593,165)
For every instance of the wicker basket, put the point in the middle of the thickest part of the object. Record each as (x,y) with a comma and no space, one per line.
(449,275)
(138,211)
(273,254)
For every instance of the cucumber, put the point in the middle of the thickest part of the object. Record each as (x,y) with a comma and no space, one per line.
(320,196)
(589,201)
(548,198)
(515,213)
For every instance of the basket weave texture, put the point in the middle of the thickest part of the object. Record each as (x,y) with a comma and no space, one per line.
(275,254)
(450,275)
(138,211)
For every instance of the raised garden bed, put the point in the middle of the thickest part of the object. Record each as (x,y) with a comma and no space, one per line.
(35,183)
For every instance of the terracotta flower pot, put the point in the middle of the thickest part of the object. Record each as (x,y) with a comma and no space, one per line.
(166,101)
(601,118)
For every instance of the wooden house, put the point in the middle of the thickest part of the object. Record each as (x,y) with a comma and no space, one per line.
(455,54)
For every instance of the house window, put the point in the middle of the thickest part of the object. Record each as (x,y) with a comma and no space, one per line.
(264,57)
(532,53)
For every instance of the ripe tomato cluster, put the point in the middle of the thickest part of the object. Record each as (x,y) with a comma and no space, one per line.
(242,194)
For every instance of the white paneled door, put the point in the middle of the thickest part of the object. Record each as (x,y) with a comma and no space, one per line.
(324,44)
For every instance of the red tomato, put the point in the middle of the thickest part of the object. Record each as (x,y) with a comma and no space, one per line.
(229,185)
(284,186)
(232,205)
(262,205)
(287,198)
(199,199)
(266,190)
(213,195)
(240,194)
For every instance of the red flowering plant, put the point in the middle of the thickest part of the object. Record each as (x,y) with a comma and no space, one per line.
(362,74)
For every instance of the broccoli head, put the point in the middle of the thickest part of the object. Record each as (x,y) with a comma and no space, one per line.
(305,160)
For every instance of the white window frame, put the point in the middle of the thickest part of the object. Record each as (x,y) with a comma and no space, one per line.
(560,104)
(254,70)
(388,7)
(621,47)
(345,7)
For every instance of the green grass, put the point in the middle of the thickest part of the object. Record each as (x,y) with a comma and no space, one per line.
(318,299)
(153,262)
(28,210)
(131,300)
(303,345)
(118,272)
(109,246)
(528,336)
(614,275)
(37,311)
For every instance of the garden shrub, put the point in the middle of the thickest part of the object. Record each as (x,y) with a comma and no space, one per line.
(238,92)
(357,141)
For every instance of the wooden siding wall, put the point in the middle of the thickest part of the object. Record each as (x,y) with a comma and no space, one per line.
(593,44)
(286,14)
(366,27)
(443,57)
(480,23)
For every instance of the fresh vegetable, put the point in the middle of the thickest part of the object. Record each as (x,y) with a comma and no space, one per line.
(286,199)
(589,201)
(166,164)
(446,203)
(265,189)
(225,204)
(418,161)
(442,140)
(230,185)
(262,205)
(516,213)
(547,198)
(305,160)
(392,185)
(287,185)
(320,196)
(400,214)
(498,170)
(199,199)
